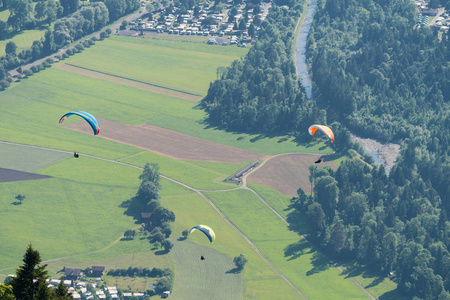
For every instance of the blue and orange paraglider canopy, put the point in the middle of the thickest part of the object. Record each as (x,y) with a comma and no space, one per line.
(325,129)
(87,116)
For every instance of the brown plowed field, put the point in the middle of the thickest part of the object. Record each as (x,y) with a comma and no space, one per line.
(168,142)
(286,173)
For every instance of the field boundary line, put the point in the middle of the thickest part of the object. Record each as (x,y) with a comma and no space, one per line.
(199,192)
(136,80)
(129,83)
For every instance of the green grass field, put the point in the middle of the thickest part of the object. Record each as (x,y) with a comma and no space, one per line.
(23,40)
(78,211)
(4,15)
(281,202)
(69,214)
(304,267)
(168,63)
(28,159)
(190,210)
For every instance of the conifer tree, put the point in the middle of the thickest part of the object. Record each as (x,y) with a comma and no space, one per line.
(29,283)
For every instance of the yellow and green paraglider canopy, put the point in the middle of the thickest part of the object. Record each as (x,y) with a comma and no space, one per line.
(206,230)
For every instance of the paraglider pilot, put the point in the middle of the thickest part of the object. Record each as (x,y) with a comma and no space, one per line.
(75,155)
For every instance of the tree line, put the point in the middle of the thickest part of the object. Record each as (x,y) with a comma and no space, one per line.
(78,23)
(140,272)
(156,227)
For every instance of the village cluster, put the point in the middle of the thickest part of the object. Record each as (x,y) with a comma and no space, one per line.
(437,18)
(77,284)
(222,27)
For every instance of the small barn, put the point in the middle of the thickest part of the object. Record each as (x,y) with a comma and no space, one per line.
(72,274)
(97,271)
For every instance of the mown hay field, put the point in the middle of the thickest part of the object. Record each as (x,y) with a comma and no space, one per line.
(183,66)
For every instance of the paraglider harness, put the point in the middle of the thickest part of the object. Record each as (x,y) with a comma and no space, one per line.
(76,155)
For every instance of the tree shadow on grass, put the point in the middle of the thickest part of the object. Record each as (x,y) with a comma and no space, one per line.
(283,136)
(298,221)
(319,263)
(133,209)
(16,203)
(295,250)
(393,295)
(161,252)
(356,270)
(234,271)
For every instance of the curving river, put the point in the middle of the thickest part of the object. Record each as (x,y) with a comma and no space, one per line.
(385,154)
(300,49)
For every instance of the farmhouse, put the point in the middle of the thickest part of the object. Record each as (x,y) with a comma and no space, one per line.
(97,270)
(72,274)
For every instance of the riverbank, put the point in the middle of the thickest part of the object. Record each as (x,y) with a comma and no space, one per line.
(385,154)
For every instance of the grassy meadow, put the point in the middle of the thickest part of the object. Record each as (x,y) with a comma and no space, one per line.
(78,211)
(184,66)
(303,266)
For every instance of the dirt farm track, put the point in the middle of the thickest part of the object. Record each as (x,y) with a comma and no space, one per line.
(285,173)
(168,142)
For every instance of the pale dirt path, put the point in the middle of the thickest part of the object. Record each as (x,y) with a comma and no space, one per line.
(128,82)
(177,182)
(80,254)
(244,186)
(199,192)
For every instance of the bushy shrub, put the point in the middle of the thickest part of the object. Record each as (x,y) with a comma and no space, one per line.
(4,84)
(27,73)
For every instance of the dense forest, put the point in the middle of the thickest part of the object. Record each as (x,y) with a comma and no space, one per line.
(384,78)
(376,71)
(262,93)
